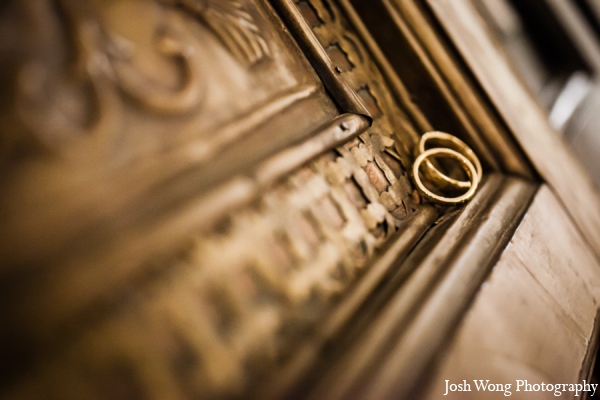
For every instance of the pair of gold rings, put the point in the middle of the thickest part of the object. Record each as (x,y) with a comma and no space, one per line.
(428,177)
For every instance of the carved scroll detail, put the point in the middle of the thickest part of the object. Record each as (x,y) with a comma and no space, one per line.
(233,25)
(151,95)
(72,97)
(65,107)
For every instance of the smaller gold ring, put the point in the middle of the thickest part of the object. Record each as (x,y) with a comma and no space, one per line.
(467,166)
(452,142)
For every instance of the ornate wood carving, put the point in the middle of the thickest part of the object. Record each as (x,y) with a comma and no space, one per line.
(140,103)
(72,99)
(234,26)
(192,184)
(199,196)
(339,44)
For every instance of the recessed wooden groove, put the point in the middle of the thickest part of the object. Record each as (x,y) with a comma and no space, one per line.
(402,340)
(398,87)
(346,98)
(523,116)
(428,90)
(497,139)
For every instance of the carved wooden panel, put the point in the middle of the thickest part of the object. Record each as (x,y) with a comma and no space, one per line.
(388,349)
(210,199)
(182,199)
(353,64)
(98,102)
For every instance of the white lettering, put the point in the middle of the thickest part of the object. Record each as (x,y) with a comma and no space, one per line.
(457,387)
(520,383)
(480,385)
(557,389)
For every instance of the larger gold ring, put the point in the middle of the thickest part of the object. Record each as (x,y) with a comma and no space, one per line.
(449,141)
(465,163)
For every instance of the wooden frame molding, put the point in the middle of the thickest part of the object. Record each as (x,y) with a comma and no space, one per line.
(523,116)
(388,348)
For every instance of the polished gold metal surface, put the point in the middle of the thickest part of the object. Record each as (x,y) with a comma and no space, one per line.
(465,163)
(445,140)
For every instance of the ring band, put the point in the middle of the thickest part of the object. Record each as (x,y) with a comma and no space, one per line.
(448,141)
(467,165)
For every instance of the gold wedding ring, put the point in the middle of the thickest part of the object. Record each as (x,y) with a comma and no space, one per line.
(443,139)
(426,171)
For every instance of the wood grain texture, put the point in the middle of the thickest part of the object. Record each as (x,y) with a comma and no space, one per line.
(529,123)
(533,318)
